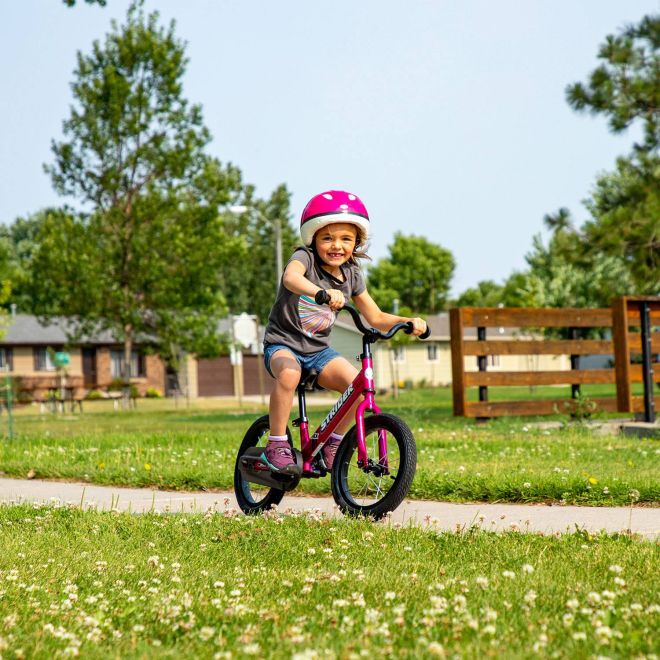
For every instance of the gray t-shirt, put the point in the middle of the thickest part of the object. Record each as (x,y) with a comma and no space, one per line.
(297,321)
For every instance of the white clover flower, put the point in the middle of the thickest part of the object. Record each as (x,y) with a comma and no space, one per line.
(568,619)
(390,595)
(593,598)
(572,604)
(527,568)
(615,568)
(508,574)
(530,597)
(490,614)
(579,636)
(311,551)
(482,582)
(206,633)
(436,649)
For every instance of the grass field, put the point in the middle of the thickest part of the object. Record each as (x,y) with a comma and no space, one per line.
(504,460)
(302,587)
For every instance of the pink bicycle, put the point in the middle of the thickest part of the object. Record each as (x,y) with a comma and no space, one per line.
(375,463)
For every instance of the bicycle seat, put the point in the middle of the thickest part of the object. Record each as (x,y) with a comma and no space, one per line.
(308,380)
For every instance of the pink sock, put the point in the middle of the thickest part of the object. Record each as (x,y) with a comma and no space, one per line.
(277,438)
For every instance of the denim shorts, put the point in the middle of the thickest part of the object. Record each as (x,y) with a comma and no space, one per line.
(307,361)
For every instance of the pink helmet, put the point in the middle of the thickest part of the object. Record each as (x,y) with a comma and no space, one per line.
(330,207)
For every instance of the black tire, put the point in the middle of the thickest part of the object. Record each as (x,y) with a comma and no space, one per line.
(361,493)
(254,498)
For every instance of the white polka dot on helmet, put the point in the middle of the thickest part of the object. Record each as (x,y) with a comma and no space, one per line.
(331,207)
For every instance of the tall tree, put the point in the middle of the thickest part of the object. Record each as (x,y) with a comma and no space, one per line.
(417,273)
(144,257)
(253,289)
(626,86)
(625,204)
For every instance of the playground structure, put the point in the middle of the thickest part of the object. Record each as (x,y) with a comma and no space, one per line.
(631,321)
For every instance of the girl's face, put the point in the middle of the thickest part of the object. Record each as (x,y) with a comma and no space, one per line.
(335,243)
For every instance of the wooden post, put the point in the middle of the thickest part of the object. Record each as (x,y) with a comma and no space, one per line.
(457,360)
(647,366)
(621,354)
(575,363)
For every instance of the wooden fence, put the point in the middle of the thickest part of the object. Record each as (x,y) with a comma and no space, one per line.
(622,320)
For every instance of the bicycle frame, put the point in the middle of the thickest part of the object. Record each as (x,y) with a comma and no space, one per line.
(362,386)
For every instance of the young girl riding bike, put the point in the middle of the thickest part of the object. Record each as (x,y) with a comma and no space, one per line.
(334,228)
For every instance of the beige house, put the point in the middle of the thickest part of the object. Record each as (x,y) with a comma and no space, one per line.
(429,361)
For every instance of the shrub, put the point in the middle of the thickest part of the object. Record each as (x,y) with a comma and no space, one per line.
(93,395)
(153,393)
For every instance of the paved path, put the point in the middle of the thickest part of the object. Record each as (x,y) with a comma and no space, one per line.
(443,515)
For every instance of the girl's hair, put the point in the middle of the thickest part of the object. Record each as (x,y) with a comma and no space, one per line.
(359,251)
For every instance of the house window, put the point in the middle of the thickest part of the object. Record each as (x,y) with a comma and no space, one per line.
(399,354)
(117,364)
(43,360)
(432,352)
(6,359)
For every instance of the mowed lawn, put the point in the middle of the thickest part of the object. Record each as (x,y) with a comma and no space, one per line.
(304,587)
(504,460)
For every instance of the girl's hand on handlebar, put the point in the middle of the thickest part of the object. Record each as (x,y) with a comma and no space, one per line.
(419,326)
(337,299)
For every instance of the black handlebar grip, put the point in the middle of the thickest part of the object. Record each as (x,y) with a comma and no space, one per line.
(321,297)
(427,333)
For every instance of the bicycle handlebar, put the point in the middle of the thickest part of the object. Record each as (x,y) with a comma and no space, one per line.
(322,298)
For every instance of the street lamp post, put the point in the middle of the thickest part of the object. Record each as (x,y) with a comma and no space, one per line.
(239,209)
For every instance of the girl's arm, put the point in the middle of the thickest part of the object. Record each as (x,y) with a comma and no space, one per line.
(382,320)
(295,281)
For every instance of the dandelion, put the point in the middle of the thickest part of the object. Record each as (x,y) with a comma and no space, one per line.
(593,481)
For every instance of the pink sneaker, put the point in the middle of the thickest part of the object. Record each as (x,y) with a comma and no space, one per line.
(329,451)
(279,457)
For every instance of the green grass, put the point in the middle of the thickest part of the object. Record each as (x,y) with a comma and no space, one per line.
(504,460)
(109,584)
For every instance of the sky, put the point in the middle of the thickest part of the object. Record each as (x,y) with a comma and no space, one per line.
(448,118)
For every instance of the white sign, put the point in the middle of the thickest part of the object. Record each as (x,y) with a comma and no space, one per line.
(245,329)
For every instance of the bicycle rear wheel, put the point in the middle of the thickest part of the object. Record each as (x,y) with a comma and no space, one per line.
(252,497)
(379,487)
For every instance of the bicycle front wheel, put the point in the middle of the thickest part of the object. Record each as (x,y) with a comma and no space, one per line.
(380,486)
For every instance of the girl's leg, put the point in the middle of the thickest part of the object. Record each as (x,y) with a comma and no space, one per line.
(286,370)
